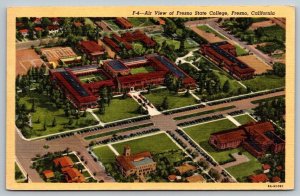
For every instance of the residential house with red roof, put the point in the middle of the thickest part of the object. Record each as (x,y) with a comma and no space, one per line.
(259,178)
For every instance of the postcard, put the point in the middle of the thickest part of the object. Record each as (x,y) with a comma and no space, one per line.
(150,98)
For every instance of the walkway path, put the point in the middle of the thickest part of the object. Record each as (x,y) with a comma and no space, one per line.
(239,159)
(232,120)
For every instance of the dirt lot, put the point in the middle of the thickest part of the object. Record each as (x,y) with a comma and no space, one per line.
(257,64)
(210,37)
(25,59)
(56,53)
(257,25)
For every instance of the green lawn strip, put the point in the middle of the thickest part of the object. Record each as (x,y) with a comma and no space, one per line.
(201,133)
(155,144)
(246,169)
(92,77)
(203,113)
(244,119)
(119,109)
(266,99)
(112,24)
(88,21)
(240,51)
(73,157)
(210,30)
(175,100)
(160,39)
(265,82)
(18,173)
(117,131)
(145,69)
(46,112)
(86,174)
(104,154)
(140,22)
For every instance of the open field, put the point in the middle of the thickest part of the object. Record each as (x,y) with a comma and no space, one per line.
(264,82)
(111,23)
(257,25)
(119,109)
(140,22)
(46,112)
(25,59)
(201,133)
(244,119)
(104,154)
(244,170)
(146,69)
(56,53)
(255,63)
(175,100)
(207,35)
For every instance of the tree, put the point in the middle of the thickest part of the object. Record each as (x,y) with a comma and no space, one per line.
(45,125)
(33,106)
(54,122)
(165,103)
(226,87)
(214,173)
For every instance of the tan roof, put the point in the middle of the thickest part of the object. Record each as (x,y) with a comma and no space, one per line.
(185,168)
(195,178)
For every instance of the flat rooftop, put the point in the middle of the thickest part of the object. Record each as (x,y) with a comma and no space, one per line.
(117,65)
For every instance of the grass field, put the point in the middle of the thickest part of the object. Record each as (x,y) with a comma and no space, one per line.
(265,82)
(146,69)
(155,144)
(175,100)
(104,154)
(210,30)
(140,22)
(119,109)
(189,43)
(18,174)
(92,78)
(244,119)
(46,112)
(246,169)
(240,51)
(201,133)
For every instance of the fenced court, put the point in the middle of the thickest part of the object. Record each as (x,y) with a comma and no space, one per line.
(25,59)
(56,53)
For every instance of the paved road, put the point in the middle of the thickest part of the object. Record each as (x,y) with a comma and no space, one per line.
(25,150)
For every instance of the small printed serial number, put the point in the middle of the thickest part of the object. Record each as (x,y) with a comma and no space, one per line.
(275,185)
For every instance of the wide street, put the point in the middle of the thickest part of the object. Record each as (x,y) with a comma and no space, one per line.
(26,150)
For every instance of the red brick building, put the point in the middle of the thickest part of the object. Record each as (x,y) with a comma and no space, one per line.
(257,138)
(116,74)
(259,178)
(224,54)
(91,49)
(124,23)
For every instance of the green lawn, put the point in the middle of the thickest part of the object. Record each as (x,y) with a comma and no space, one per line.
(18,174)
(264,82)
(140,22)
(92,78)
(155,144)
(104,154)
(240,51)
(145,69)
(88,21)
(46,112)
(189,43)
(201,133)
(175,100)
(119,109)
(112,25)
(244,170)
(244,119)
(210,30)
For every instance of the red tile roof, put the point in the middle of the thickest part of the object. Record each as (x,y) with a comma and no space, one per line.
(276,179)
(73,175)
(126,161)
(172,178)
(230,135)
(259,178)
(266,166)
(48,174)
(64,161)
(124,22)
(38,29)
(23,30)
(91,46)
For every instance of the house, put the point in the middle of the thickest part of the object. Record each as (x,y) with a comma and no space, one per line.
(48,174)
(63,162)
(38,29)
(53,29)
(73,175)
(276,179)
(195,178)
(266,168)
(24,32)
(185,167)
(140,163)
(172,178)
(257,138)
(259,178)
